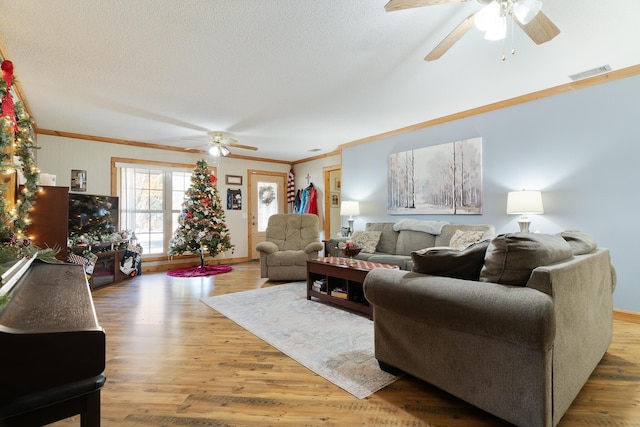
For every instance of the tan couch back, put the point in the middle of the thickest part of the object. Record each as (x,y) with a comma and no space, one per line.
(404,242)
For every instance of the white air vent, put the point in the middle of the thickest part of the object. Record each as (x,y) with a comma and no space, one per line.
(590,73)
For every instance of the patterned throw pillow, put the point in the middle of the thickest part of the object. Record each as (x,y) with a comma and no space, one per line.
(367,238)
(462,239)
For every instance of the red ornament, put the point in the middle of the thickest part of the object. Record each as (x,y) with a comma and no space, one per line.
(205,202)
(189,214)
(213,179)
(7,71)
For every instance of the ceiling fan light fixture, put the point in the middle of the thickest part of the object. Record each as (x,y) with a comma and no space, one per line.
(485,19)
(498,31)
(526,10)
(215,150)
(218,150)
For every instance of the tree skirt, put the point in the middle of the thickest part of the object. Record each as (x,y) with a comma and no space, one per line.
(207,270)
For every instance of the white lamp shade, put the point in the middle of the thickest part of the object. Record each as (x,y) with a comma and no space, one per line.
(524,202)
(349,207)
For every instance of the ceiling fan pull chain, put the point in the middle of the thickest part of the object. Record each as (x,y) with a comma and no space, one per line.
(513,44)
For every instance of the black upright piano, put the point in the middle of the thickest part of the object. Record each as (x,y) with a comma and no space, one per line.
(52,349)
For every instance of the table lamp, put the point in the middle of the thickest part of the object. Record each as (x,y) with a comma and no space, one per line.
(524,202)
(350,207)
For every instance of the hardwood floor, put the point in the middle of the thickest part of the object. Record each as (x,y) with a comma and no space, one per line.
(173,361)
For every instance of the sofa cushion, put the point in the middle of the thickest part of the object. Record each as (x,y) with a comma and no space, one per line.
(388,238)
(462,239)
(369,239)
(409,241)
(449,262)
(581,242)
(510,258)
(444,238)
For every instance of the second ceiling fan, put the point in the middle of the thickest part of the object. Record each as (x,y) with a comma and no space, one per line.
(220,142)
(492,19)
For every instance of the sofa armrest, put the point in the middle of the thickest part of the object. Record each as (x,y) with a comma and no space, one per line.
(313,247)
(505,312)
(267,247)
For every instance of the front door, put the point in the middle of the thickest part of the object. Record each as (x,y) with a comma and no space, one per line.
(266,197)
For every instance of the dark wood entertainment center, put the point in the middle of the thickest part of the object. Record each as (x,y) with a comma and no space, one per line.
(48,228)
(49,218)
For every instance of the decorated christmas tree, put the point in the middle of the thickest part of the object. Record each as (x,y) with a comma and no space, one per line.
(201,223)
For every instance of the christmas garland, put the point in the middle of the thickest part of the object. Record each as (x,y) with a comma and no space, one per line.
(17,149)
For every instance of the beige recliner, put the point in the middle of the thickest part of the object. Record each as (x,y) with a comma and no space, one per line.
(291,240)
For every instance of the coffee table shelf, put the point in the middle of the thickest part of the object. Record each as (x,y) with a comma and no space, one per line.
(336,275)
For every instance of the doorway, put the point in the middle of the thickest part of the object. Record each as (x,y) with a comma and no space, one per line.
(332,197)
(266,197)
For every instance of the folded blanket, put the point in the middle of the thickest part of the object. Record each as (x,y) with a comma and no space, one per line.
(431,227)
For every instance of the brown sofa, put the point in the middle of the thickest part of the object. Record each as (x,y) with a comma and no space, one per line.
(519,341)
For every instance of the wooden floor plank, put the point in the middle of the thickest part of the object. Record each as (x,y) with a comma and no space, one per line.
(173,361)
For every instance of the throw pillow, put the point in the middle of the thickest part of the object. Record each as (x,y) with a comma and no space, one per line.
(581,242)
(510,258)
(369,239)
(449,262)
(462,239)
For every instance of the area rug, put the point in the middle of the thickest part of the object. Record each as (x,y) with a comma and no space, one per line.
(207,270)
(333,343)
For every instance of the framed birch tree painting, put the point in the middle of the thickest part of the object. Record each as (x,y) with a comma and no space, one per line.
(437,180)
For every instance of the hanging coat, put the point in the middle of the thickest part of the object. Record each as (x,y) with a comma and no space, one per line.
(312,205)
(297,202)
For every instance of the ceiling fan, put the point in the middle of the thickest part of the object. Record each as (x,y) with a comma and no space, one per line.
(492,19)
(220,142)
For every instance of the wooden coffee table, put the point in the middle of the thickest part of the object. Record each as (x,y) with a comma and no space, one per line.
(342,282)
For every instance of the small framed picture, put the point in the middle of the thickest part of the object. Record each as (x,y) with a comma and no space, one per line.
(335,199)
(338,183)
(233,179)
(78,180)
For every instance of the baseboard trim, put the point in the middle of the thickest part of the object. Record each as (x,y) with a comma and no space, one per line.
(627,316)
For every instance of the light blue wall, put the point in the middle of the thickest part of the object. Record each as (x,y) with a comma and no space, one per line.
(581,149)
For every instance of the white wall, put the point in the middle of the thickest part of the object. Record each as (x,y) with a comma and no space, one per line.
(58,156)
(581,149)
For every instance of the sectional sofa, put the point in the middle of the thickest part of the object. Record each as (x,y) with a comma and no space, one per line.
(393,242)
(514,325)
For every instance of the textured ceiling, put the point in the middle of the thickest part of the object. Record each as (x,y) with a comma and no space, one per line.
(287,76)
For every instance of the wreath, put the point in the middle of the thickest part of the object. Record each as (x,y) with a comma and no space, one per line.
(267,195)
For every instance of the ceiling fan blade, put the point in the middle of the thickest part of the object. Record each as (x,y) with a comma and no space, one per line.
(540,29)
(408,4)
(451,39)
(198,148)
(244,147)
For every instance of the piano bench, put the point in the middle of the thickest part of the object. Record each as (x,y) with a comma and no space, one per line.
(47,406)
